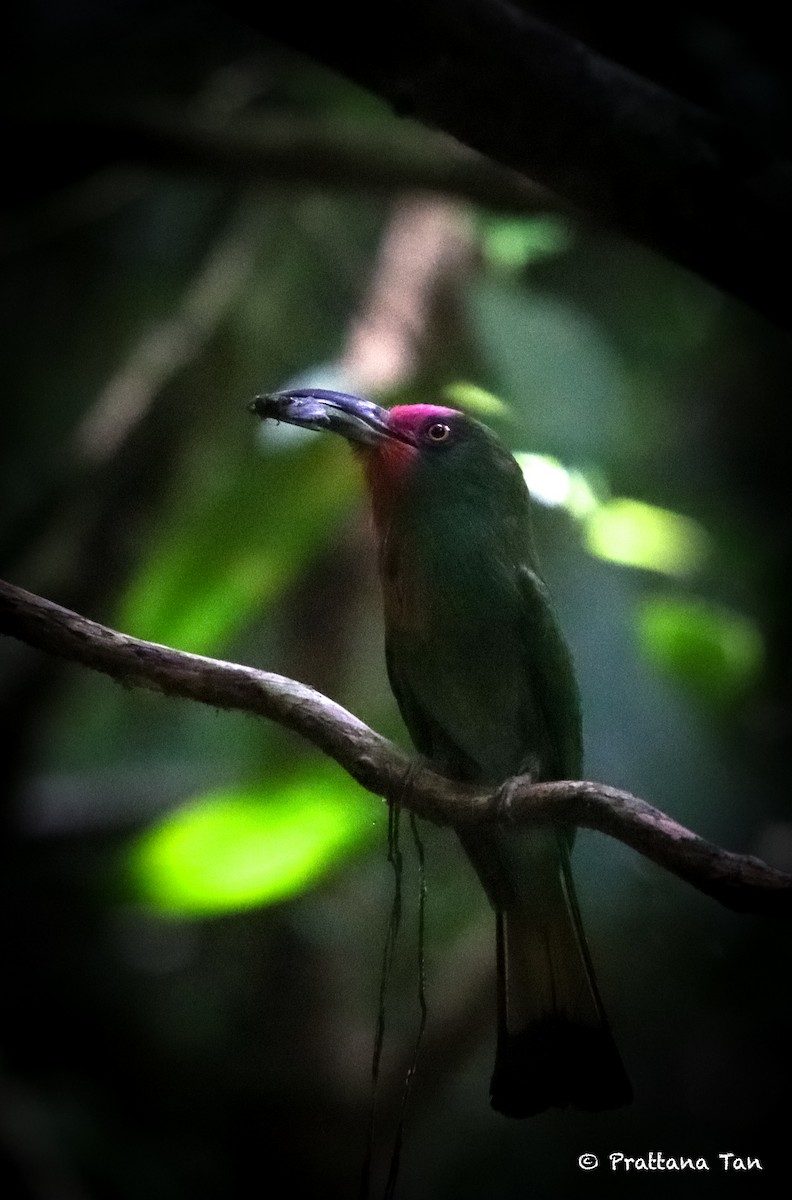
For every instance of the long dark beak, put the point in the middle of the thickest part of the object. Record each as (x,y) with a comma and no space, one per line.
(315,408)
(356,419)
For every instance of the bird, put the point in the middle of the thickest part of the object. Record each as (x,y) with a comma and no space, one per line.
(485,683)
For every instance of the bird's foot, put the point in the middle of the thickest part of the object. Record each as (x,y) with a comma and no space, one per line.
(502,800)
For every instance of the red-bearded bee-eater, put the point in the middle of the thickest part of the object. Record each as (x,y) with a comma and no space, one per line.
(484,681)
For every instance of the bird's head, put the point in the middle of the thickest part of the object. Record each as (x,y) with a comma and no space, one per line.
(422,450)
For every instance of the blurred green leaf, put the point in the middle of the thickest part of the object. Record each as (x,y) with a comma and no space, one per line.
(475,400)
(635,534)
(511,243)
(552,363)
(715,652)
(237,848)
(232,542)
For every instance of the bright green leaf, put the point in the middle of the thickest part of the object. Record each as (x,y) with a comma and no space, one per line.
(231,543)
(235,849)
(635,534)
(715,652)
(512,243)
(475,400)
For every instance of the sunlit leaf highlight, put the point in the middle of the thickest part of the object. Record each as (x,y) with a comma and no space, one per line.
(475,400)
(635,534)
(511,243)
(236,849)
(556,486)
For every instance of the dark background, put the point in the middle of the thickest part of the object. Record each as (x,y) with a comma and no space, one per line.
(179,1019)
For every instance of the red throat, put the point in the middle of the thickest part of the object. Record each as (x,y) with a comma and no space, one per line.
(387,467)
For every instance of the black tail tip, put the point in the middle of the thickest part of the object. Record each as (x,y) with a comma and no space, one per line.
(554,1064)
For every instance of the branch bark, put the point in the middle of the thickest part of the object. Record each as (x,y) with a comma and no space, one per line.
(265,152)
(740,882)
(680,179)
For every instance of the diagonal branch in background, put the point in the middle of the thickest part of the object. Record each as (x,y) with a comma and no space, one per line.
(427,246)
(112,178)
(739,881)
(658,168)
(270,152)
(112,472)
(173,342)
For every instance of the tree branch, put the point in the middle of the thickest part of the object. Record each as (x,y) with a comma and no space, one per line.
(739,881)
(679,178)
(270,152)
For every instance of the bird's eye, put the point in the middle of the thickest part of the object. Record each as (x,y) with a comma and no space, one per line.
(438,431)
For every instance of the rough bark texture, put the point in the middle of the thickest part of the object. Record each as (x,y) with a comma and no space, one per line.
(741,882)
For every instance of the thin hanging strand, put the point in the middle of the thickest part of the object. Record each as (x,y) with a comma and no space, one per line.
(393,1170)
(389,950)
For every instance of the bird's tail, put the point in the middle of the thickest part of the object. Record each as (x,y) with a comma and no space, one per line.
(554,1045)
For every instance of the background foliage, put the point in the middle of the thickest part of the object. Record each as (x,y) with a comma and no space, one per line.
(195,903)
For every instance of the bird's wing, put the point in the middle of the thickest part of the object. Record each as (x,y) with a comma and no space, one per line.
(549,670)
(428,735)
